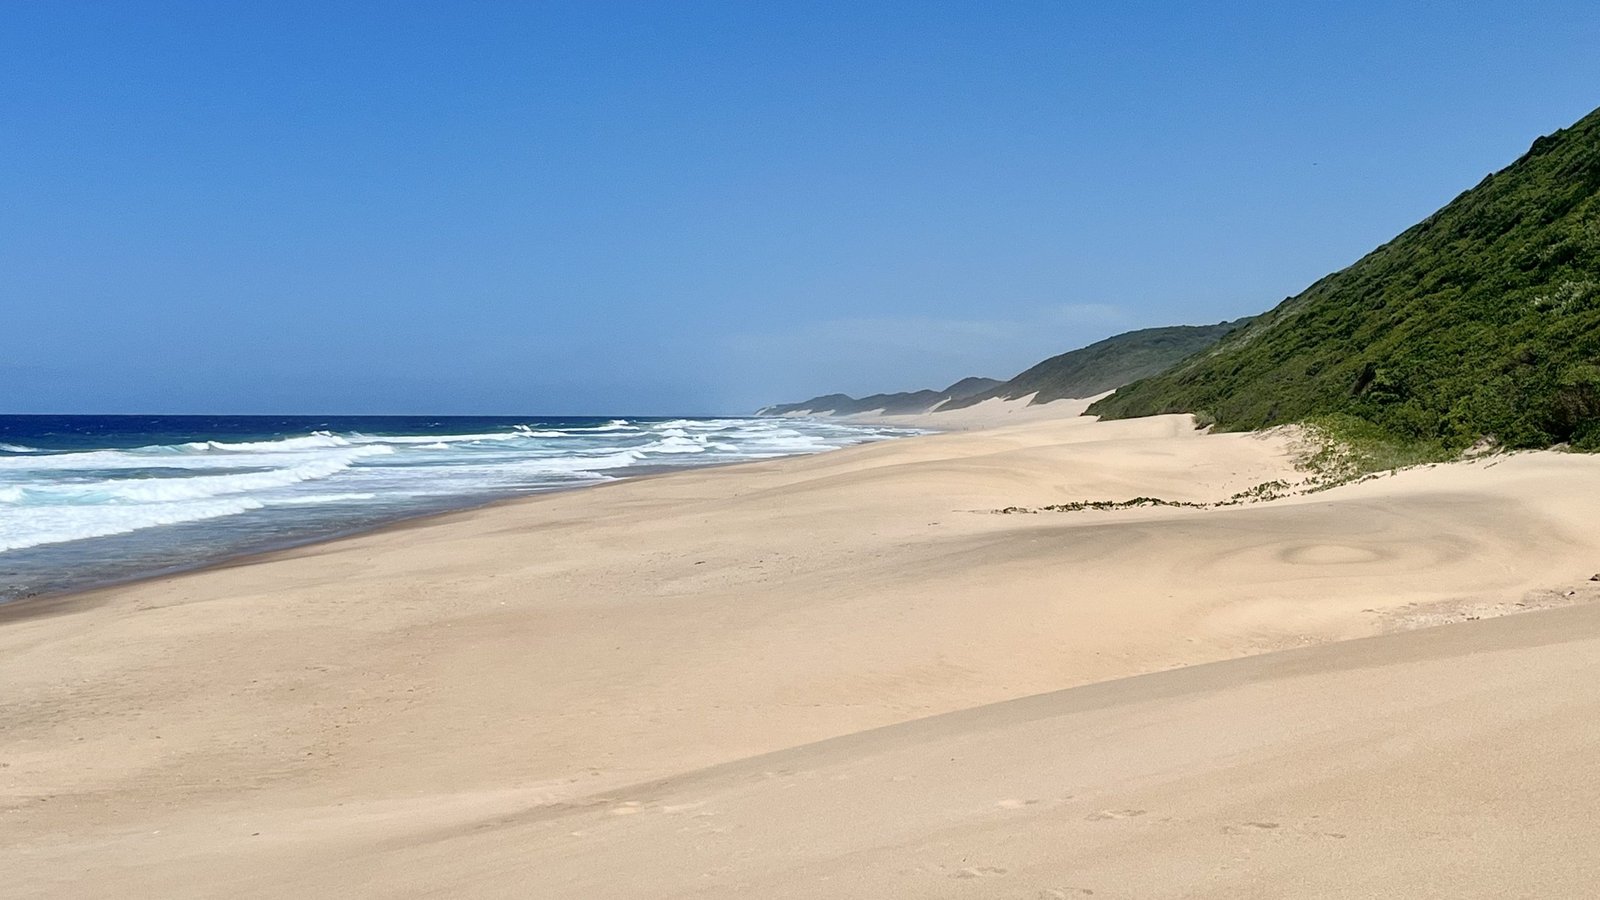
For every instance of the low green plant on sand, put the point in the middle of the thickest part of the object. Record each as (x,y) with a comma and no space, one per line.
(1342,447)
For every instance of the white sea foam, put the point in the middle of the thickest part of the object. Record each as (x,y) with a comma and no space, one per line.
(613,425)
(49,497)
(18,448)
(176,458)
(319,499)
(570,464)
(36,526)
(166,490)
(437,438)
(678,443)
(314,441)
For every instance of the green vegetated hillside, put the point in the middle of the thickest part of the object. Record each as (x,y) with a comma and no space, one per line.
(903,402)
(1105,365)
(1481,320)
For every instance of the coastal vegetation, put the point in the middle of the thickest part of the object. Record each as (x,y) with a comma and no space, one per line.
(902,402)
(1105,365)
(1330,451)
(1482,322)
(1100,367)
(1340,447)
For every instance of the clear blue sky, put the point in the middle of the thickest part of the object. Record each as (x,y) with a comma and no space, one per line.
(618,208)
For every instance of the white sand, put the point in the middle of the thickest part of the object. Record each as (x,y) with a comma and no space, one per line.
(991,413)
(525,700)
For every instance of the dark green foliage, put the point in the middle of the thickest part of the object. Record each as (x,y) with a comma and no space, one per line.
(1081,505)
(1346,447)
(1106,365)
(1482,320)
(905,402)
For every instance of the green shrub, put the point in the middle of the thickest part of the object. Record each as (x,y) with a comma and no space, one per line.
(1481,320)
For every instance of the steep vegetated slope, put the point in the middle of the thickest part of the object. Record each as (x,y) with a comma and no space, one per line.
(904,402)
(1105,365)
(1482,320)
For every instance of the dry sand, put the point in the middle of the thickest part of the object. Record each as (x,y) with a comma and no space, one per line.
(991,413)
(843,675)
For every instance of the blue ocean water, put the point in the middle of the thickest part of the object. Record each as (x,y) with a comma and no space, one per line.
(88,500)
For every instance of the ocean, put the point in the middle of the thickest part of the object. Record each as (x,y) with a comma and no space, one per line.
(90,500)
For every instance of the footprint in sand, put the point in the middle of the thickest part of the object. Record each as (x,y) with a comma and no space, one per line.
(1105,814)
(673,809)
(1300,831)
(977,872)
(1249,827)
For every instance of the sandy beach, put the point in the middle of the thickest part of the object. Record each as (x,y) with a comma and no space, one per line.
(846,675)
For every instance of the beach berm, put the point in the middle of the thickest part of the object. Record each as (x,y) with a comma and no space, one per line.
(845,675)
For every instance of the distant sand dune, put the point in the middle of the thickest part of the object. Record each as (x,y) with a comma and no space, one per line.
(720,683)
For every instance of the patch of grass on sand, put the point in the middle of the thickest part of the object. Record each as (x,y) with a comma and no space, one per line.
(1342,447)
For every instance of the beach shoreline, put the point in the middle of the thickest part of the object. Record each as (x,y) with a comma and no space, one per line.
(30,605)
(42,603)
(316,708)
(114,565)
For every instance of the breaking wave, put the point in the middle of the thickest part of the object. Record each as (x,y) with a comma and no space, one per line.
(281,483)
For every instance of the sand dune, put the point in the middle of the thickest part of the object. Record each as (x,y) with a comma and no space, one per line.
(571,695)
(991,413)
(1455,762)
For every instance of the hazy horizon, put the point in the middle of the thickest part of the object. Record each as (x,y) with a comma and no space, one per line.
(633,209)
